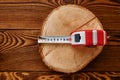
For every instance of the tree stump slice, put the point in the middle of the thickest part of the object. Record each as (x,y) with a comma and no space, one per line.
(61,22)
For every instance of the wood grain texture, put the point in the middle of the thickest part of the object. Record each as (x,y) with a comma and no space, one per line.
(21,14)
(59,76)
(20,24)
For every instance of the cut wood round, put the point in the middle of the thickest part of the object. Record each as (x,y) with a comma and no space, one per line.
(61,22)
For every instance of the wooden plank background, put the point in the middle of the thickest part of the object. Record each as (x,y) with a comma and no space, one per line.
(20,24)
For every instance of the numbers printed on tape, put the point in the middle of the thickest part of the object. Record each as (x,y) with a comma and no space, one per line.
(83,37)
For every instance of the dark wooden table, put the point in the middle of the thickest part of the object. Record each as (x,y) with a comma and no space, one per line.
(20,24)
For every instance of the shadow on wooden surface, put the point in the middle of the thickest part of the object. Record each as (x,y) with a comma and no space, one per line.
(20,24)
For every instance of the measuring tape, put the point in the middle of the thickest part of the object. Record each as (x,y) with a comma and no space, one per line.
(83,37)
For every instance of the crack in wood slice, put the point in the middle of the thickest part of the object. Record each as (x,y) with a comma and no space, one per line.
(84,24)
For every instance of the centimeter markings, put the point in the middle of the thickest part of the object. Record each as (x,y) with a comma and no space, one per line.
(54,39)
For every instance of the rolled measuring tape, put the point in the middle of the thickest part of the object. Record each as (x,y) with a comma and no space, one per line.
(89,38)
(83,37)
